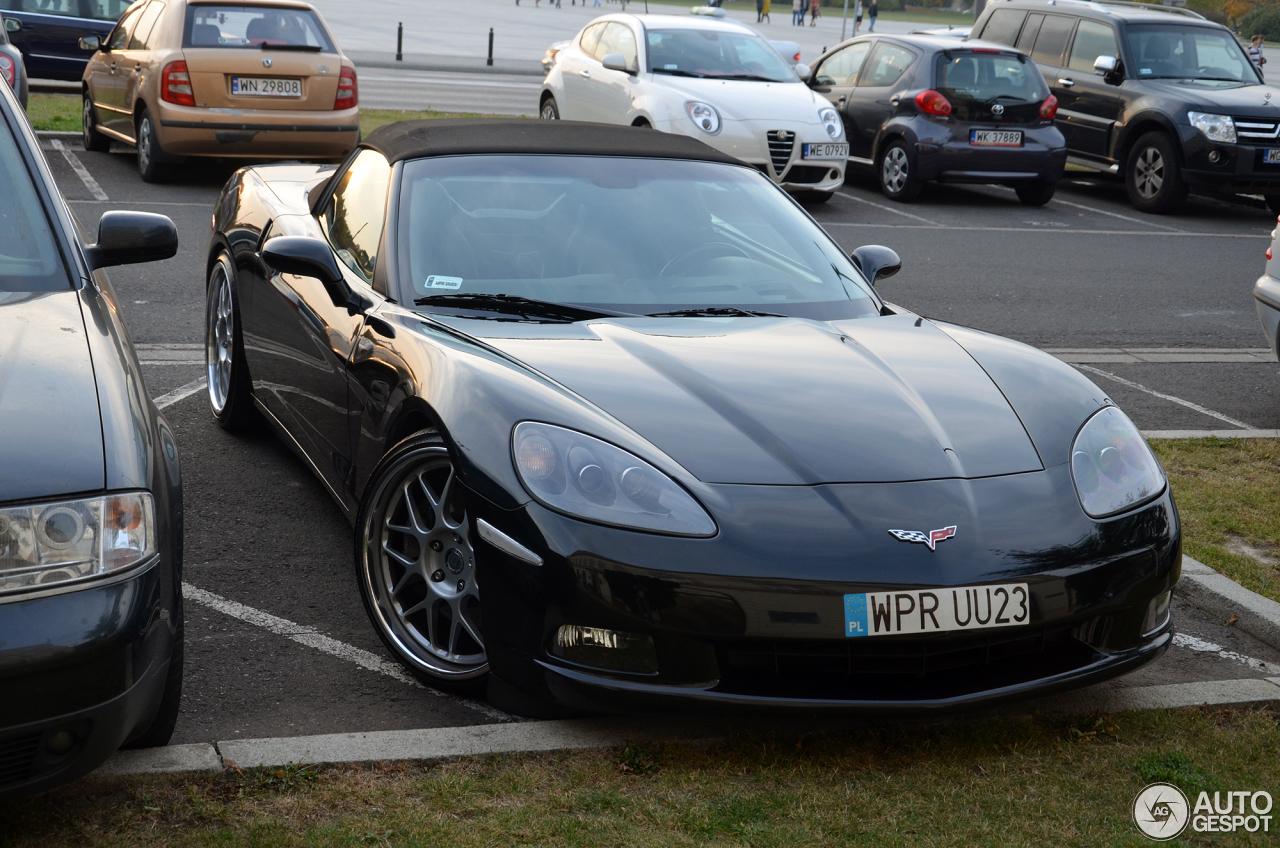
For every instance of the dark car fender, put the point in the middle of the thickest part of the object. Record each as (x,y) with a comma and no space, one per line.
(1139,118)
(898,126)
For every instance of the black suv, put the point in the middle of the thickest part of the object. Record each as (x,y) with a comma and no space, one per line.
(1161,95)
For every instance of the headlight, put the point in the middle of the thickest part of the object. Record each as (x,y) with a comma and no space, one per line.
(43,545)
(587,478)
(1113,468)
(831,120)
(704,115)
(1215,127)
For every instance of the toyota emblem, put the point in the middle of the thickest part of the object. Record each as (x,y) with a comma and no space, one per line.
(266,63)
(997,110)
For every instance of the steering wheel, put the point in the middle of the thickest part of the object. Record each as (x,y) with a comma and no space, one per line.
(701,253)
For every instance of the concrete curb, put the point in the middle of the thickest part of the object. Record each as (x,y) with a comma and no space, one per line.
(61,134)
(1221,596)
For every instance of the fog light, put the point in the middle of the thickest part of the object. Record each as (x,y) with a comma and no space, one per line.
(835,175)
(1157,613)
(613,650)
(60,742)
(1215,157)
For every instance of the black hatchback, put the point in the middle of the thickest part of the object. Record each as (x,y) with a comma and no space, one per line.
(920,108)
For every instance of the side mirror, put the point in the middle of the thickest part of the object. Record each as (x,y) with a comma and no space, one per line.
(802,70)
(12,25)
(127,238)
(1105,65)
(876,262)
(616,62)
(91,44)
(308,257)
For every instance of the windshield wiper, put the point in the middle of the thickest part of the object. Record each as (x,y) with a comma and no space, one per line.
(715,312)
(511,304)
(747,77)
(676,73)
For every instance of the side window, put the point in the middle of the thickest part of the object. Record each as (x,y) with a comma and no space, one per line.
(1055,32)
(1003,25)
(590,37)
(618,38)
(842,68)
(356,212)
(141,39)
(119,38)
(1029,32)
(1092,40)
(886,65)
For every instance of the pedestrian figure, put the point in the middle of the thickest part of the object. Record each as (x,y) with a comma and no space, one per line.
(1255,53)
(813,12)
(759,10)
(872,11)
(857,17)
(767,4)
(797,12)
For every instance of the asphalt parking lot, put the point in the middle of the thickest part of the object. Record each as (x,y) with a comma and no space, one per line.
(278,643)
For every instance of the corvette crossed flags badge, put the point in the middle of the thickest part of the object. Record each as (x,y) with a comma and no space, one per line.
(932,538)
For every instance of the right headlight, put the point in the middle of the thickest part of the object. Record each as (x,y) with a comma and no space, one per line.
(1113,468)
(704,115)
(831,121)
(1215,127)
(584,477)
(44,545)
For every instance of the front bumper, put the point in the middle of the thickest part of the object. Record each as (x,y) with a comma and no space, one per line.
(1239,167)
(755,143)
(90,662)
(753,618)
(257,133)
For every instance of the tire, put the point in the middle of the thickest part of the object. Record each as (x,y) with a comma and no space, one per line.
(93,140)
(549,110)
(896,170)
(1152,175)
(416,568)
(230,390)
(160,730)
(150,165)
(1273,203)
(813,198)
(1035,193)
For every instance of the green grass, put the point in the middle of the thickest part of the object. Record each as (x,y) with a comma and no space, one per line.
(1011,782)
(54,111)
(371,119)
(1228,494)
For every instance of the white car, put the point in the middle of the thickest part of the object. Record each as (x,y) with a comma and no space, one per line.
(714,80)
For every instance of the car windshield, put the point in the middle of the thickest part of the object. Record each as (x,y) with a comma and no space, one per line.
(98,10)
(254,26)
(639,236)
(722,55)
(1188,52)
(29,260)
(987,77)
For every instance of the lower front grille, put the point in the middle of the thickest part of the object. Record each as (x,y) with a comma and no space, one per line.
(781,144)
(17,756)
(806,174)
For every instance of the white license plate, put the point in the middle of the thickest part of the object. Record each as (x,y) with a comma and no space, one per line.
(266,86)
(826,150)
(996,138)
(1271,156)
(936,610)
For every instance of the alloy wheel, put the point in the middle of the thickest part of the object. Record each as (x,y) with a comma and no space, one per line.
(86,122)
(1149,173)
(548,111)
(419,569)
(895,170)
(220,337)
(144,142)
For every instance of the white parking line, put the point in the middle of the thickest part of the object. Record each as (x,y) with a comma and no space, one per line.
(1186,640)
(81,171)
(170,398)
(884,208)
(312,638)
(1098,211)
(1188,404)
(103,199)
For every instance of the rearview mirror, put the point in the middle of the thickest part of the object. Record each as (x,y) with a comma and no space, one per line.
(616,62)
(90,43)
(1105,65)
(802,70)
(308,257)
(127,238)
(12,25)
(876,262)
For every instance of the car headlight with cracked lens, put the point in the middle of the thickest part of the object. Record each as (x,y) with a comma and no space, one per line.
(1215,127)
(48,544)
(704,115)
(584,477)
(1113,468)
(831,121)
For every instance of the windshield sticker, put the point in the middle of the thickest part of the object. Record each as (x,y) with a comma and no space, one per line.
(435,281)
(670,67)
(1144,70)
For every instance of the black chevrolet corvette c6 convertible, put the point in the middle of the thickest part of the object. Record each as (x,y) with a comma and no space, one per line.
(618,426)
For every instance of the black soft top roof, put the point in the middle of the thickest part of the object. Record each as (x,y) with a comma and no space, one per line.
(451,137)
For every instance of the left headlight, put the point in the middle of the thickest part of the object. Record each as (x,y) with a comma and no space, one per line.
(1112,465)
(43,545)
(582,476)
(1215,127)
(704,115)
(831,121)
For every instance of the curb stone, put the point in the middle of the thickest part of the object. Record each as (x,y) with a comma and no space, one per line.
(62,134)
(1221,596)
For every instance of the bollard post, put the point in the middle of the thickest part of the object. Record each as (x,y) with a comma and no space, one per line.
(400,42)
(490,59)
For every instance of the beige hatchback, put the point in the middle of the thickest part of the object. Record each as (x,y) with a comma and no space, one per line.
(244,79)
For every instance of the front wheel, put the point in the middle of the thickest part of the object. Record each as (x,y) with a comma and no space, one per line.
(230,391)
(1036,193)
(92,139)
(549,112)
(416,566)
(898,179)
(1153,178)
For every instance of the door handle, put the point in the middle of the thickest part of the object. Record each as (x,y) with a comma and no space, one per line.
(842,98)
(1066,83)
(895,100)
(585,73)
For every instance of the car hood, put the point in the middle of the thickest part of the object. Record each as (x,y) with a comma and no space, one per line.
(49,415)
(788,401)
(745,100)
(1240,100)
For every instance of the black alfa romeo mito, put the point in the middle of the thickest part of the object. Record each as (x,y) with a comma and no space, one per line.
(618,425)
